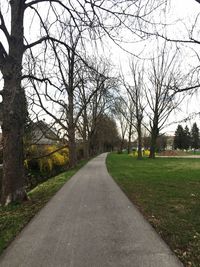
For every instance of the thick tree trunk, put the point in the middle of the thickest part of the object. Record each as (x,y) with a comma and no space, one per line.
(72,147)
(121,146)
(153,145)
(152,152)
(13,131)
(14,112)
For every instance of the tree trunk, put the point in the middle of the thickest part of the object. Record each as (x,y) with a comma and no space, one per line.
(139,141)
(72,148)
(129,138)
(13,131)
(71,122)
(153,144)
(85,139)
(14,112)
(121,146)
(71,133)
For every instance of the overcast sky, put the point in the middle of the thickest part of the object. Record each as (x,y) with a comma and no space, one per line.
(186,11)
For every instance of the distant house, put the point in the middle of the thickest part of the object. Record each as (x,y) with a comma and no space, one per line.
(40,133)
(169,142)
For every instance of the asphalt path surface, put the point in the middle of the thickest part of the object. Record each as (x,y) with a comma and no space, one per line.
(89,223)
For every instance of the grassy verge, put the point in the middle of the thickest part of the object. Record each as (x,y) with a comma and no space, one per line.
(14,217)
(167,191)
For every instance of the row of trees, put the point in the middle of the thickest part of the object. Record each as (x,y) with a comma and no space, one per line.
(164,88)
(150,96)
(185,139)
(47,59)
(44,45)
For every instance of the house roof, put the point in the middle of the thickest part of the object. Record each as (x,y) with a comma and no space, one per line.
(42,133)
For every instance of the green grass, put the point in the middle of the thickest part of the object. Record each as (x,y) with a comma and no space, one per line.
(14,217)
(167,191)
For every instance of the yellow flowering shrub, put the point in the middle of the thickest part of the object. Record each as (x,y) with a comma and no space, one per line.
(48,163)
(145,153)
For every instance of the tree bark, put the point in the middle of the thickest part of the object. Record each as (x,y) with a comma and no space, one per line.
(121,146)
(85,139)
(71,133)
(129,138)
(154,136)
(14,112)
(71,122)
(139,141)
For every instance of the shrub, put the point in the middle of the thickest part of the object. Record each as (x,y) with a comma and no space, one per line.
(46,165)
(145,153)
(49,163)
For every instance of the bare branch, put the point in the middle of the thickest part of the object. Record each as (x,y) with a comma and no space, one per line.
(3,27)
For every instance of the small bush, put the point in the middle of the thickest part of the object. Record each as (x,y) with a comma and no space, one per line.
(46,165)
(145,153)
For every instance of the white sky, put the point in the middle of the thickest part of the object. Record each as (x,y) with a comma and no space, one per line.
(186,11)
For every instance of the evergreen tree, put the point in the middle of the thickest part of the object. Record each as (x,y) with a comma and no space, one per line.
(179,138)
(186,138)
(195,142)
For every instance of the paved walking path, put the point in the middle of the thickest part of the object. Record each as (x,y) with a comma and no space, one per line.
(89,223)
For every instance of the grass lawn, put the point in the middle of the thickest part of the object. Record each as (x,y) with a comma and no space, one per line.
(14,217)
(167,191)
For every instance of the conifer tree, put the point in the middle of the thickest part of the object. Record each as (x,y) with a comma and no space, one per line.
(186,138)
(179,138)
(195,142)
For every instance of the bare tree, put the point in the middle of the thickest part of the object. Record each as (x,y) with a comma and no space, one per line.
(131,120)
(121,111)
(48,13)
(136,94)
(160,93)
(13,105)
(100,88)
(186,38)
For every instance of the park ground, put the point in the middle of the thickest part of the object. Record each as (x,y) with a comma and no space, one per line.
(14,217)
(167,192)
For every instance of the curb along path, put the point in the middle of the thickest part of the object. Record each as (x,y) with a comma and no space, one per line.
(89,223)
